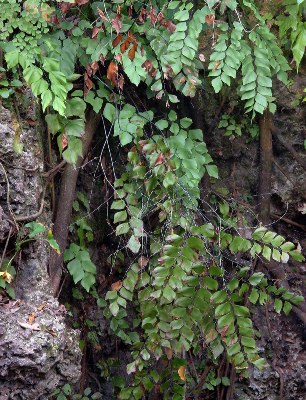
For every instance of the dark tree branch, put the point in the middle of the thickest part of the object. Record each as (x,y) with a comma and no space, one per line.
(266,160)
(65,201)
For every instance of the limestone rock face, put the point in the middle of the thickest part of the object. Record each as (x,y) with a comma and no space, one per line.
(36,358)
(38,352)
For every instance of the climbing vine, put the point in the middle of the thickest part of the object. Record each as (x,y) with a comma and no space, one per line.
(83,55)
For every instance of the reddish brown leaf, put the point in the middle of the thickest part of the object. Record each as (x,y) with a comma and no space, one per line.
(64,141)
(210,19)
(160,159)
(131,37)
(131,11)
(143,261)
(81,2)
(95,32)
(216,65)
(65,6)
(50,331)
(118,58)
(168,25)
(132,52)
(160,17)
(142,15)
(94,66)
(31,318)
(124,46)
(169,353)
(42,306)
(120,82)
(89,70)
(54,20)
(152,16)
(148,66)
(117,40)
(102,15)
(31,122)
(112,72)
(224,330)
(87,84)
(117,24)
(117,285)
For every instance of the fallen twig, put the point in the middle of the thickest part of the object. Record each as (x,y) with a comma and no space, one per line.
(288,221)
(278,135)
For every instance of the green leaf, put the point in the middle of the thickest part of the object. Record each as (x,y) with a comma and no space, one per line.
(217,84)
(266,252)
(161,124)
(254,296)
(169,293)
(54,123)
(210,283)
(298,49)
(248,342)
(120,216)
(259,233)
(134,244)
(260,363)
(46,99)
(75,127)
(278,304)
(287,307)
(212,171)
(35,228)
(59,105)
(256,278)
(75,107)
(76,270)
(53,244)
(114,308)
(109,112)
(195,243)
(74,150)
(170,179)
(288,246)
(122,229)
(296,255)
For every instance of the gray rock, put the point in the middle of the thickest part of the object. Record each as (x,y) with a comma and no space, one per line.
(36,356)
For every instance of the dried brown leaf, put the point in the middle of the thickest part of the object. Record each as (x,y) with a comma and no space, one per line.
(117,285)
(42,307)
(117,24)
(181,372)
(132,52)
(31,318)
(112,72)
(102,15)
(117,40)
(95,32)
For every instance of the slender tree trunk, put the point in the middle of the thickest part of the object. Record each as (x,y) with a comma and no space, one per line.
(65,201)
(266,160)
